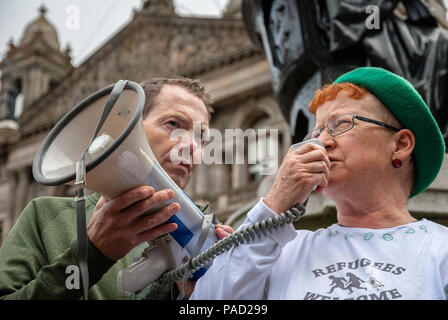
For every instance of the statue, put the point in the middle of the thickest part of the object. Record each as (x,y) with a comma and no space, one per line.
(310,43)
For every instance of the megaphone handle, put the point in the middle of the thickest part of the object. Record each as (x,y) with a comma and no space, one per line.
(206,222)
(113,97)
(80,192)
(244,235)
(82,244)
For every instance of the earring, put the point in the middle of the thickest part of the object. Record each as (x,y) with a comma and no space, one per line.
(396,163)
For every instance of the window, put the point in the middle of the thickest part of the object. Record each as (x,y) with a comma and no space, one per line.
(18,103)
(262,152)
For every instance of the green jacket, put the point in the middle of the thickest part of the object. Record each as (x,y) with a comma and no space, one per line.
(43,243)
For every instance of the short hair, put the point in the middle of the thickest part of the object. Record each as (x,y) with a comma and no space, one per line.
(153,87)
(330,91)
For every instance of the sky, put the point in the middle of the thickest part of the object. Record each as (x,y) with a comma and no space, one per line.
(98,20)
(85,24)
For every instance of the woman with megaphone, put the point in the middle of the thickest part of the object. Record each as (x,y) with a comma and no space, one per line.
(381,147)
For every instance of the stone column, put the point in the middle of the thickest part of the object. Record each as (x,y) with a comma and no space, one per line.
(21,191)
(10,205)
(4,213)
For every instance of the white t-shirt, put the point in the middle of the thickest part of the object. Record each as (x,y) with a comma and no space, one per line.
(404,262)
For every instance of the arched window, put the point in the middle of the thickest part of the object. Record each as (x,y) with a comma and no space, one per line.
(18,101)
(263,152)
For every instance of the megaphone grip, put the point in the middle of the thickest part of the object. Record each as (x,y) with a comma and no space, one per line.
(246,234)
(189,219)
(82,245)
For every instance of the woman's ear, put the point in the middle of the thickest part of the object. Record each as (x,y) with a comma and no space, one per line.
(404,144)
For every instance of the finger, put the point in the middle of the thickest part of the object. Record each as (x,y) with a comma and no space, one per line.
(225,228)
(152,202)
(101,202)
(321,180)
(155,219)
(307,148)
(312,156)
(129,198)
(221,233)
(156,232)
(318,167)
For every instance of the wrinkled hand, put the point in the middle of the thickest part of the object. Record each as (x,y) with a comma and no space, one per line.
(222,231)
(118,225)
(299,172)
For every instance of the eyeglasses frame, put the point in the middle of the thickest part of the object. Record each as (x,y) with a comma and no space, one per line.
(354,116)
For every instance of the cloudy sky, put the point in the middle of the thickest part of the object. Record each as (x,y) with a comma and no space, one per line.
(98,20)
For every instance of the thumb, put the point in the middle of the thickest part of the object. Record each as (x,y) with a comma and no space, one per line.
(101,202)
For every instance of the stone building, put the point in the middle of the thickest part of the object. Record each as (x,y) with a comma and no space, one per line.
(38,78)
(156,42)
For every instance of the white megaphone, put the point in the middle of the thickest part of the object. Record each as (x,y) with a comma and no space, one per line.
(118,159)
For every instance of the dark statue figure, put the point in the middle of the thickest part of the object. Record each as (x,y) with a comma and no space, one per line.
(309,43)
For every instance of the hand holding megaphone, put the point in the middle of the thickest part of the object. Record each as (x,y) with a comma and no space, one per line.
(305,166)
(101,145)
(118,225)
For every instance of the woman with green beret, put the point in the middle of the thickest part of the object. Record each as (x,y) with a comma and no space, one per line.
(381,146)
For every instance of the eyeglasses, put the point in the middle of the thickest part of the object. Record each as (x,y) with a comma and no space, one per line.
(343,123)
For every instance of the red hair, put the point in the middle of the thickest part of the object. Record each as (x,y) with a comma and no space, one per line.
(330,91)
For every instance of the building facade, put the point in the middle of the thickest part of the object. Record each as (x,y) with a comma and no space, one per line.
(39,81)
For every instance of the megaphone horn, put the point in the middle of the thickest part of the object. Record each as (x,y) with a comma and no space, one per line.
(55,161)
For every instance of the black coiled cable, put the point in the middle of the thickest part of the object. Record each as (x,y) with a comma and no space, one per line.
(246,234)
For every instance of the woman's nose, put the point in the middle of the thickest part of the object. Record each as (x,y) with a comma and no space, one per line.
(327,140)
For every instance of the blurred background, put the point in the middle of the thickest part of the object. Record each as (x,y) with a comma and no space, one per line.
(54,53)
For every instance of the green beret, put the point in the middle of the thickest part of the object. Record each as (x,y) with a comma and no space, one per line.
(406,104)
